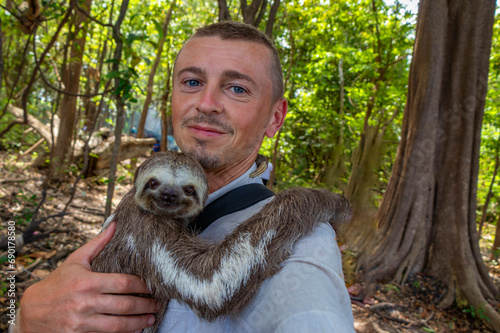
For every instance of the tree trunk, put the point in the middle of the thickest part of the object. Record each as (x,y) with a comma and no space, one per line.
(67,108)
(427,221)
(335,168)
(253,13)
(93,79)
(1,58)
(365,160)
(120,109)
(489,195)
(272,18)
(152,73)
(496,242)
(274,161)
(165,118)
(34,73)
(223,11)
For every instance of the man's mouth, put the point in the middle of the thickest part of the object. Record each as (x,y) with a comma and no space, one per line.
(206,129)
(204,125)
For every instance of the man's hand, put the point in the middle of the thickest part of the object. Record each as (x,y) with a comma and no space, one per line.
(75,299)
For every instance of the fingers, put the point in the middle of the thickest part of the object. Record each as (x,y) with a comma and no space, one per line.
(125,305)
(75,299)
(117,283)
(120,323)
(73,304)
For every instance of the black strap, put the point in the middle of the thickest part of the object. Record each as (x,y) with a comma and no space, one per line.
(237,199)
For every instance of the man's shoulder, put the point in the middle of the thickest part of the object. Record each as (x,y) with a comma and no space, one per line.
(310,285)
(221,227)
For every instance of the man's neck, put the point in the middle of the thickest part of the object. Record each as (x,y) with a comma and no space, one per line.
(220,177)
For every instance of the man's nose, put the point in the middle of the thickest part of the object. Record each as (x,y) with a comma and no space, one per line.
(210,100)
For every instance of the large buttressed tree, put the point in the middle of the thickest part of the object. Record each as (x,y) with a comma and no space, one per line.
(427,220)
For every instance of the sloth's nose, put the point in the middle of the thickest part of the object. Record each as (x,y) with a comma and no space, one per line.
(170,196)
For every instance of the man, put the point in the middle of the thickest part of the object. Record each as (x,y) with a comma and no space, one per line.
(227,96)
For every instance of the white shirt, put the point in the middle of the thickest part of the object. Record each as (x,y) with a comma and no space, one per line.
(307,295)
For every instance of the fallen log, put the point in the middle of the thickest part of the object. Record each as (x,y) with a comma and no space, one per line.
(101,150)
(37,125)
(130,147)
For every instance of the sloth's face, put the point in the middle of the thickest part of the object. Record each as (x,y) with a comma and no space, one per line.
(174,200)
(171,188)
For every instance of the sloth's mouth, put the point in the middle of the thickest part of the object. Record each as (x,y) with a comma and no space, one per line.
(169,206)
(168,203)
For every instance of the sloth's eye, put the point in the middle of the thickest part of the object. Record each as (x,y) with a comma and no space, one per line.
(189,190)
(153,183)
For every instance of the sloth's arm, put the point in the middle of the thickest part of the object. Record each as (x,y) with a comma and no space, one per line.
(240,260)
(209,277)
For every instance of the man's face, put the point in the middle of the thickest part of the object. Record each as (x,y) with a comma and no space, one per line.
(221,100)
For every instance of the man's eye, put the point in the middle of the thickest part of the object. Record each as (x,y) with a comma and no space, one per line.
(238,90)
(192,83)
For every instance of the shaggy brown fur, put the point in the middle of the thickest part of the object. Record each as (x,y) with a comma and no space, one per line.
(213,279)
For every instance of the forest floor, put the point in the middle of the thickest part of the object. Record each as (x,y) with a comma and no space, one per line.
(408,308)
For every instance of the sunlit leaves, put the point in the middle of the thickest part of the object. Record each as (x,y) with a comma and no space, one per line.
(374,48)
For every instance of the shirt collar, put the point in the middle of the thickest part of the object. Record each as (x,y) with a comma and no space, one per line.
(244,179)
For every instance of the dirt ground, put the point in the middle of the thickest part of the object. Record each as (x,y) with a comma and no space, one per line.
(408,308)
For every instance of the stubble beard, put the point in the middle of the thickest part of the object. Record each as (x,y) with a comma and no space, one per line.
(208,159)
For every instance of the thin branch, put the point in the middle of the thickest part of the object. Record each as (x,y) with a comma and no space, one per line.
(18,76)
(93,18)
(388,122)
(12,124)
(11,12)
(262,10)
(349,96)
(44,79)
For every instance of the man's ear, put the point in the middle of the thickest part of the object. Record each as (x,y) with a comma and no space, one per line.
(278,115)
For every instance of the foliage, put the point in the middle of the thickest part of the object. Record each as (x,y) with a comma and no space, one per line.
(476,313)
(315,38)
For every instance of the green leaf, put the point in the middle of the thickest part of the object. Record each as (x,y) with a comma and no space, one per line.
(112,61)
(159,28)
(131,37)
(113,74)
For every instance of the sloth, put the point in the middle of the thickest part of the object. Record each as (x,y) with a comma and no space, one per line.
(153,239)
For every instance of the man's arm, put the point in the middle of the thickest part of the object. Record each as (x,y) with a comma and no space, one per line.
(75,299)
